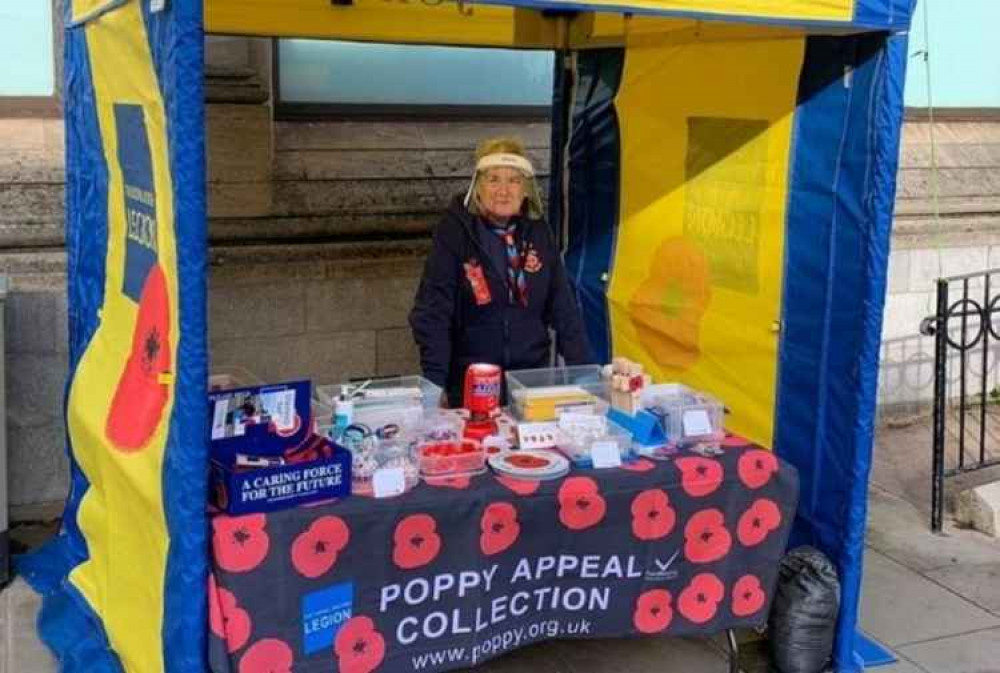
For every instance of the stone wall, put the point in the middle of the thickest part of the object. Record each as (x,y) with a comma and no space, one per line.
(964,239)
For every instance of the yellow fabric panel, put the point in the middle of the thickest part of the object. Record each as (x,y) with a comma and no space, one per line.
(695,291)
(122,514)
(85,8)
(445,23)
(595,30)
(813,10)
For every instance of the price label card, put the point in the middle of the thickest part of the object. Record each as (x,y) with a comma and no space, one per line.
(537,435)
(388,482)
(697,423)
(605,454)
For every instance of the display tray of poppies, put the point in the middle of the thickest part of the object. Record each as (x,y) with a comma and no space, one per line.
(451,457)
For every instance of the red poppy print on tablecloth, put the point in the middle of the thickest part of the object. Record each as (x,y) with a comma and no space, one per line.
(269,655)
(699,476)
(240,543)
(460,483)
(706,538)
(499,528)
(652,515)
(641,465)
(226,618)
(580,503)
(699,600)
(315,550)
(520,486)
(756,467)
(735,440)
(653,612)
(757,522)
(359,647)
(416,542)
(748,596)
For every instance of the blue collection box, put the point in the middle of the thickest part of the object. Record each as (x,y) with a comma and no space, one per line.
(271,425)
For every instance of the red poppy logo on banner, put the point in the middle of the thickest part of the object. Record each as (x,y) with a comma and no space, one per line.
(359,647)
(416,541)
(706,537)
(315,550)
(240,543)
(500,528)
(580,503)
(652,611)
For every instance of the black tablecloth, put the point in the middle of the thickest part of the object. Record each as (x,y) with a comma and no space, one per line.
(457,572)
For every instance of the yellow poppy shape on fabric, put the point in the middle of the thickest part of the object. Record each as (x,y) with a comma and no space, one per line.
(667,308)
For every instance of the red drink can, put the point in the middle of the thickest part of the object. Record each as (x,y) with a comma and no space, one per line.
(482,390)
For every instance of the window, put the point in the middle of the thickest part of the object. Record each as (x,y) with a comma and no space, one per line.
(964,56)
(27,39)
(328,78)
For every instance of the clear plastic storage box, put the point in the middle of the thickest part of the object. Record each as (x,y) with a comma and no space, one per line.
(688,416)
(579,446)
(391,391)
(542,394)
(441,449)
(380,403)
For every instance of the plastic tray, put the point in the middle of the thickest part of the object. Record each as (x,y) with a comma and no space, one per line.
(579,450)
(542,394)
(392,391)
(458,458)
(687,415)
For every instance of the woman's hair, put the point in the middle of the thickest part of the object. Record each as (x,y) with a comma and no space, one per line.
(506,145)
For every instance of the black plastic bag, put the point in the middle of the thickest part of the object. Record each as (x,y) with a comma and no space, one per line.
(803,616)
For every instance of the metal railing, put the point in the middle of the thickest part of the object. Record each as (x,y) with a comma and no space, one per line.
(966,338)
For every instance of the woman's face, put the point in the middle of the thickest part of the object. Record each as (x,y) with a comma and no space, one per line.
(501,192)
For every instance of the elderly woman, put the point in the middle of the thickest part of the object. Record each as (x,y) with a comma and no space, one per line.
(494,284)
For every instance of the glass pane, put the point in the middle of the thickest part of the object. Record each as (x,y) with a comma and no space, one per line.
(344,72)
(26,48)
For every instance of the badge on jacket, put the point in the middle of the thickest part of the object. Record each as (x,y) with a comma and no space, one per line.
(532,263)
(477,280)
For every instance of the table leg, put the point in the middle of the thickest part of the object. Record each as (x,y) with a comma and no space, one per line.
(734,651)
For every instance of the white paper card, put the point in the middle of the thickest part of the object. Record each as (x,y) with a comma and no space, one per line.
(605,454)
(583,422)
(280,406)
(537,435)
(697,422)
(157,5)
(388,482)
(219,418)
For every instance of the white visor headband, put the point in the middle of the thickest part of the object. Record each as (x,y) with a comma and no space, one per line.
(505,160)
(498,160)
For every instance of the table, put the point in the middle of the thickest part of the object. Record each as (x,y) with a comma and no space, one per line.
(459,571)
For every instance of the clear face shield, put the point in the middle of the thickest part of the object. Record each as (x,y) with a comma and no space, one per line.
(532,196)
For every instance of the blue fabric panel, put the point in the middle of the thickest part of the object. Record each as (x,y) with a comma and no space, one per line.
(594,189)
(66,623)
(836,256)
(891,14)
(561,93)
(176,43)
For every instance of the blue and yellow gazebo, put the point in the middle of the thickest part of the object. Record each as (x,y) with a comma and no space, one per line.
(723,184)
